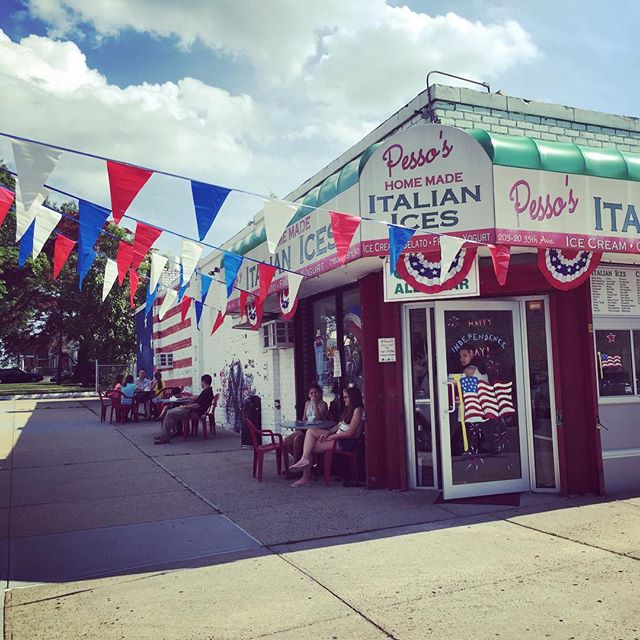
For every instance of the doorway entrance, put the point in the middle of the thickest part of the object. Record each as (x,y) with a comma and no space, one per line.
(479,407)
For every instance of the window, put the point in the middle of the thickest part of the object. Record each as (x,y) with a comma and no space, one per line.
(164,360)
(277,334)
(615,362)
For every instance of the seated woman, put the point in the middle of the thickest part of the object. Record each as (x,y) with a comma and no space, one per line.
(127,392)
(315,410)
(157,392)
(319,440)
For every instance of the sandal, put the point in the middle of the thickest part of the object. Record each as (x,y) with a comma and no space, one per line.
(301,464)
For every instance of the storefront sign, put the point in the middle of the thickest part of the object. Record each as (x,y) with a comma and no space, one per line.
(428,178)
(397,290)
(386,349)
(615,291)
(567,211)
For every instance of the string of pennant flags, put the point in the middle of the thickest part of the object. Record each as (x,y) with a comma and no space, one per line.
(35,223)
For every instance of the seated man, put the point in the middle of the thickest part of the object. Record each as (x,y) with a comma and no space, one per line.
(175,416)
(143,391)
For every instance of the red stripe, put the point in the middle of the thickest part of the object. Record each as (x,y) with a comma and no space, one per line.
(178,382)
(174,346)
(172,329)
(185,362)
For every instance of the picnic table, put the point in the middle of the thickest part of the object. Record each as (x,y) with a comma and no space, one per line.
(303,426)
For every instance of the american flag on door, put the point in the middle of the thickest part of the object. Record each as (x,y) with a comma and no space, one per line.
(484,401)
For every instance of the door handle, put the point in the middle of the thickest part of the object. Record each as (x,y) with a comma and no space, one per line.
(451,396)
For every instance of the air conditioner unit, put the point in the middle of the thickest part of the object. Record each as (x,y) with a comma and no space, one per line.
(163,360)
(276,334)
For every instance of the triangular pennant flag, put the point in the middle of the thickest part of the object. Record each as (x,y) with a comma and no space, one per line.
(169,300)
(125,181)
(61,251)
(198,306)
(500,256)
(344,228)
(151,298)
(205,283)
(25,217)
(265,276)
(158,263)
(243,303)
(26,244)
(449,248)
(218,296)
(46,221)
(232,263)
(143,240)
(182,285)
(6,200)
(184,307)
(123,259)
(191,252)
(398,238)
(85,261)
(277,215)
(34,164)
(207,200)
(218,321)
(110,275)
(294,282)
(134,279)
(92,219)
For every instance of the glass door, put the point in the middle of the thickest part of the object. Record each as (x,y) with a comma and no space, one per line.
(481,398)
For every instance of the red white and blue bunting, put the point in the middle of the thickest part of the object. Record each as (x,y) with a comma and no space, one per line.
(254,311)
(564,269)
(422,270)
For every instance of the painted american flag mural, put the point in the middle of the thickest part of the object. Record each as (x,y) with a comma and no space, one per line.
(485,401)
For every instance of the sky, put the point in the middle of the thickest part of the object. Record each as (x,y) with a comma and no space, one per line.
(258,95)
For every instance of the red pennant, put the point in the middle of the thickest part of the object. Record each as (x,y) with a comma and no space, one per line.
(344,228)
(61,251)
(6,200)
(145,236)
(185,303)
(265,276)
(218,322)
(134,279)
(500,256)
(125,181)
(243,303)
(123,259)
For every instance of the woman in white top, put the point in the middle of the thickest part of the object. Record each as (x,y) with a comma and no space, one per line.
(319,440)
(315,410)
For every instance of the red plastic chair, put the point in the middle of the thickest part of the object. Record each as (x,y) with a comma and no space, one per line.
(105,403)
(259,450)
(190,426)
(117,407)
(352,456)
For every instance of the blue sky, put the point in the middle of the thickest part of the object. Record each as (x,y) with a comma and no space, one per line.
(261,95)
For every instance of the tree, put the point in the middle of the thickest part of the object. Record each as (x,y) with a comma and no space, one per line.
(42,313)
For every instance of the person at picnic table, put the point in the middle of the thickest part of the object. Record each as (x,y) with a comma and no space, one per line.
(143,391)
(117,385)
(175,395)
(127,393)
(157,391)
(319,440)
(315,410)
(175,416)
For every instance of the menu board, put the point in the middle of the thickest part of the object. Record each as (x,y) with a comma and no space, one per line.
(615,291)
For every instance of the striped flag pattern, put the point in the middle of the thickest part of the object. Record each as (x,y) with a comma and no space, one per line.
(485,401)
(610,361)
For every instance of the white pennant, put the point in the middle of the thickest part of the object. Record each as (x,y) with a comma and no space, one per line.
(24,218)
(110,275)
(171,295)
(191,252)
(46,221)
(276,218)
(449,248)
(158,263)
(294,281)
(34,164)
(217,296)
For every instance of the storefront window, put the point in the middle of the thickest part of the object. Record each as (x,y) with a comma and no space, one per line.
(614,362)
(325,342)
(352,339)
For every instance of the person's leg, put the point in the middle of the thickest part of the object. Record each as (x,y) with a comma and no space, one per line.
(171,418)
(319,447)
(298,444)
(310,440)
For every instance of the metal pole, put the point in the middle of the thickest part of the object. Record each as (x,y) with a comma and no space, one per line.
(96,375)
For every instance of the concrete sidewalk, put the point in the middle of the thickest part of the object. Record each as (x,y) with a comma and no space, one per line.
(190,546)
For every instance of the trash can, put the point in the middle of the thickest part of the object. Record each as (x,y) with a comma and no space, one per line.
(251,410)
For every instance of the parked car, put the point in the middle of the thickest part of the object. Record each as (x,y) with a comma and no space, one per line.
(18,375)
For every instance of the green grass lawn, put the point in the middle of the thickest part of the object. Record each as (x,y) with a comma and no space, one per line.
(39,387)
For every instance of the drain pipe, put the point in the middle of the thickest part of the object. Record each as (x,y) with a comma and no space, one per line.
(428,112)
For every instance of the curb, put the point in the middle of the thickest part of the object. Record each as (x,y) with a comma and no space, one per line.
(50,396)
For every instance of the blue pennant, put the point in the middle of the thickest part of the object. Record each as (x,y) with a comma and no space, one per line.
(26,244)
(198,312)
(232,263)
(151,297)
(398,238)
(205,283)
(182,286)
(92,219)
(85,260)
(207,200)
